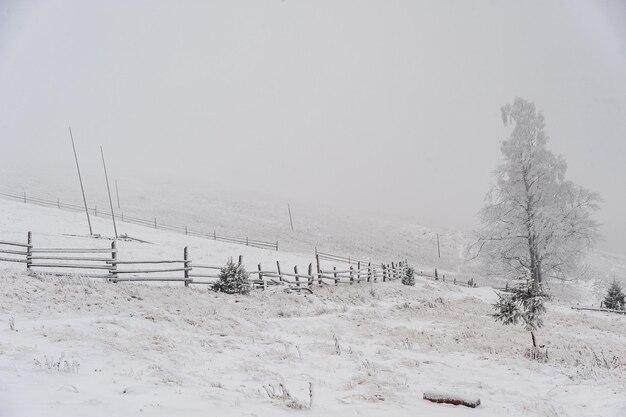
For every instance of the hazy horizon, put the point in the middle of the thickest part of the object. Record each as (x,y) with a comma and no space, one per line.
(387,108)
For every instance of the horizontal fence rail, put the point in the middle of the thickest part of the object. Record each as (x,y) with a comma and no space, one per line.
(152,223)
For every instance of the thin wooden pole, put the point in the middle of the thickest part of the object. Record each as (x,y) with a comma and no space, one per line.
(117,193)
(290,218)
(80,179)
(106,177)
(438,247)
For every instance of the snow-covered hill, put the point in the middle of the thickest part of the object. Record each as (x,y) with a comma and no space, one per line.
(80,347)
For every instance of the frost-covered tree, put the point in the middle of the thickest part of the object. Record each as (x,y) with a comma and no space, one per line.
(233,279)
(615,298)
(535,224)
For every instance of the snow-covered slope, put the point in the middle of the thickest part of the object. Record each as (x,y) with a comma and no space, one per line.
(82,347)
(99,349)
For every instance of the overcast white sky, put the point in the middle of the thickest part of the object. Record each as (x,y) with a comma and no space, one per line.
(392,105)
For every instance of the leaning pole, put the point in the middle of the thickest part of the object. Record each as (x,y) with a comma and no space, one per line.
(106,176)
(80,179)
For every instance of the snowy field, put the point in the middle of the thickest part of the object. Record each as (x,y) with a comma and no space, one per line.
(80,347)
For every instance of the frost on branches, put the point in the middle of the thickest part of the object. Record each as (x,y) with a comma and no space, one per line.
(535,224)
(233,279)
(409,276)
(523,305)
(615,298)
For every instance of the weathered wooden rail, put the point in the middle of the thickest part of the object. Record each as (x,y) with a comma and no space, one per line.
(105,263)
(603,310)
(388,270)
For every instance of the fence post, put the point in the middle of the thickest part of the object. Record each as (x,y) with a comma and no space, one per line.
(214,235)
(58,202)
(295,271)
(369,272)
(436,275)
(186,230)
(240,259)
(317,259)
(113,270)
(261,277)
(247,244)
(280,275)
(351,275)
(155,223)
(122,217)
(29,251)
(24,196)
(95,211)
(358,272)
(335,275)
(384,272)
(186,265)
(310,278)
(276,246)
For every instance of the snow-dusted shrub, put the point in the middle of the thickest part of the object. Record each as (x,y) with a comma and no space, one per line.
(409,276)
(233,279)
(523,305)
(615,298)
(59,365)
(536,354)
(281,393)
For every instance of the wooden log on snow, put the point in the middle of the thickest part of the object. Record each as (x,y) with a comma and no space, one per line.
(449,398)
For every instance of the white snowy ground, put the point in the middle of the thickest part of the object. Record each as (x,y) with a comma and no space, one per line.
(83,347)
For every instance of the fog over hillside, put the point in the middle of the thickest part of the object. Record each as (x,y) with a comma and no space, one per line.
(390,109)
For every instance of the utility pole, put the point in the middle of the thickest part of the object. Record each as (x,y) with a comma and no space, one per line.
(290,219)
(109,191)
(117,192)
(80,179)
(438,247)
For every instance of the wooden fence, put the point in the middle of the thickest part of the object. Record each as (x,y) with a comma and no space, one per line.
(105,263)
(152,223)
(436,276)
(605,310)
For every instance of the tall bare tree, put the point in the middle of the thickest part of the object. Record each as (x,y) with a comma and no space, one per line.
(535,223)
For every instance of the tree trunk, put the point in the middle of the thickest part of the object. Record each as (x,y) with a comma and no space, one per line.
(532,334)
